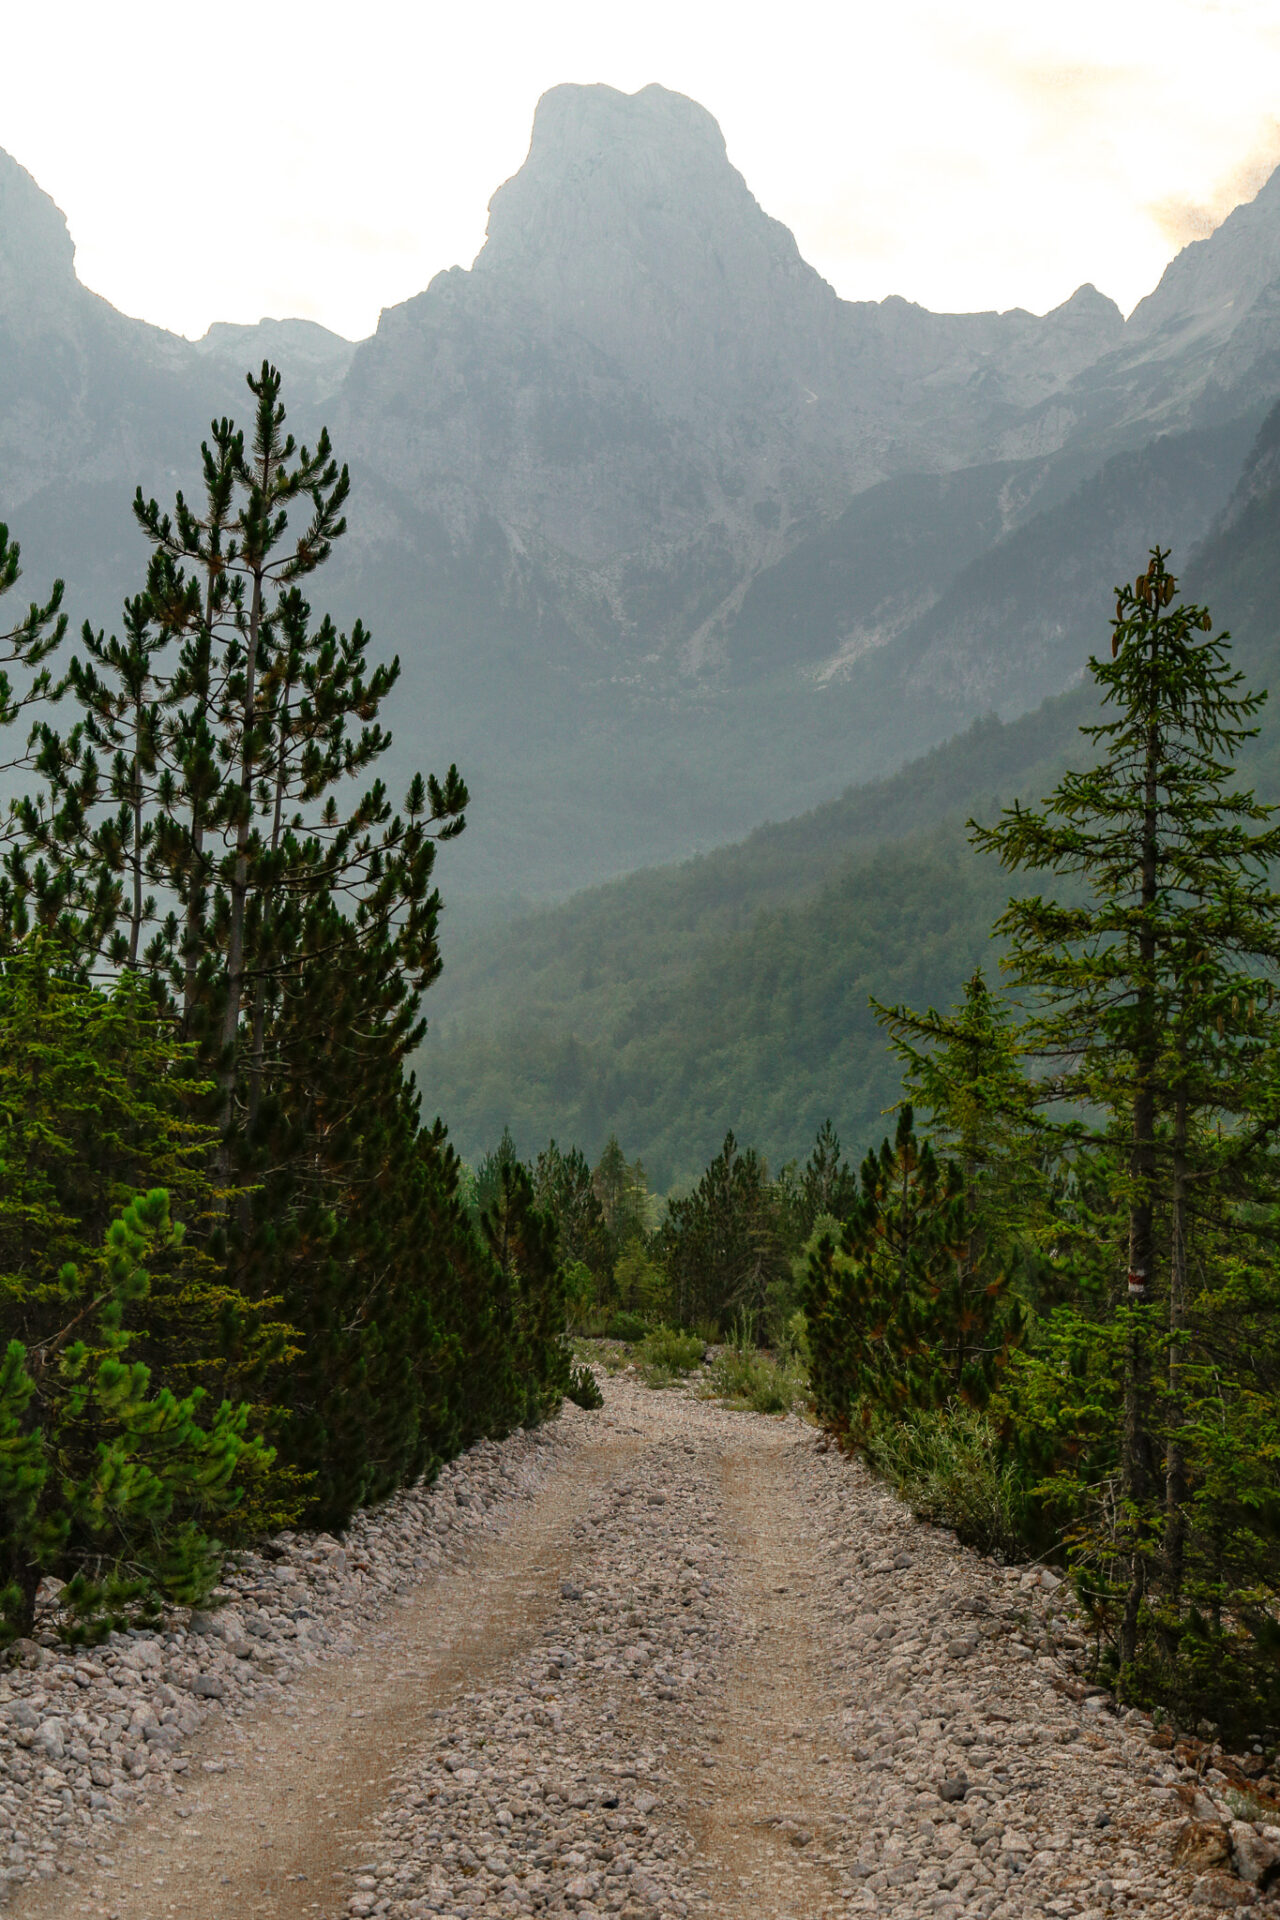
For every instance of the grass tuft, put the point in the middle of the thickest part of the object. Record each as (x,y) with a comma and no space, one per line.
(946,1466)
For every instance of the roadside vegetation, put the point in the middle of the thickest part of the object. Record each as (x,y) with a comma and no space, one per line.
(241,1285)
(1046,1307)
(1054,1319)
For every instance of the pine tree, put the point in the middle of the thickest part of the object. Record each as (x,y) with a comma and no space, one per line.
(110,1461)
(522,1239)
(217,811)
(119,687)
(1150,1010)
(623,1193)
(116,1485)
(563,1186)
(721,1244)
(488,1180)
(25,647)
(828,1185)
(963,1072)
(896,1322)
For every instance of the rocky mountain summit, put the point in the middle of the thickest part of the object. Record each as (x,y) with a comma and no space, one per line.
(647,395)
(87,395)
(668,535)
(313,360)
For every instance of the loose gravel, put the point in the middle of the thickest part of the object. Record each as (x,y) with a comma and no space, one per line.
(664,1659)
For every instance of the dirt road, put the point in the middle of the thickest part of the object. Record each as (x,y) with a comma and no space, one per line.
(707,1670)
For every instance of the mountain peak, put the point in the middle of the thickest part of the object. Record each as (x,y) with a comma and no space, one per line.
(1212,284)
(37,254)
(628,228)
(642,178)
(595,155)
(575,116)
(313,360)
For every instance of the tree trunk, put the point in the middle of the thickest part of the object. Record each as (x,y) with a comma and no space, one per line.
(135,915)
(1175,1477)
(1135,1460)
(238,891)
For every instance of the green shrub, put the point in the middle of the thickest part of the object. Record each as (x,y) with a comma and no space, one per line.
(132,1378)
(758,1382)
(793,1342)
(102,1476)
(625,1326)
(641,1283)
(579,1293)
(679,1353)
(946,1465)
(584,1389)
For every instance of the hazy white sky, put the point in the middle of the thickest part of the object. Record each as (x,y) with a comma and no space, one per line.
(305,157)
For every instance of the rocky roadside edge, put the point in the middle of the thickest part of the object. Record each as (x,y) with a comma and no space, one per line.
(87,1734)
(986,1765)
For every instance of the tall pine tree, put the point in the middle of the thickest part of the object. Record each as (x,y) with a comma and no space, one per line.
(1150,1011)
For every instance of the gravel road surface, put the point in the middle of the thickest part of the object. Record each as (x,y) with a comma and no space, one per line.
(664,1659)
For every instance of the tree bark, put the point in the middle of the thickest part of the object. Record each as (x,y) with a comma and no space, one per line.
(1135,1462)
(238,891)
(1175,1479)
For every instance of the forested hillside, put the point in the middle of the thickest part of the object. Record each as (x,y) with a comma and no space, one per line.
(732,990)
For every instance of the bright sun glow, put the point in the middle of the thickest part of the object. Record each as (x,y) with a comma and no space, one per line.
(324,160)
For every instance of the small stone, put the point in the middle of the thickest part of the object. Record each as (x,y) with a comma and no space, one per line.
(1220,1890)
(1202,1843)
(1257,1860)
(955,1787)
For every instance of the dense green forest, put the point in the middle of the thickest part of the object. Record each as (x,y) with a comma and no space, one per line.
(670,1005)
(240,1279)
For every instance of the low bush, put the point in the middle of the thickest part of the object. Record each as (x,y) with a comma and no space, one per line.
(626,1326)
(946,1465)
(756,1381)
(584,1389)
(678,1353)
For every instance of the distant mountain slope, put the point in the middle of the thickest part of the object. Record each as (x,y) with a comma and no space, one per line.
(768,1031)
(313,360)
(731,991)
(980,588)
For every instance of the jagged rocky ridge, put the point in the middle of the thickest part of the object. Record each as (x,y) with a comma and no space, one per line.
(669,536)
